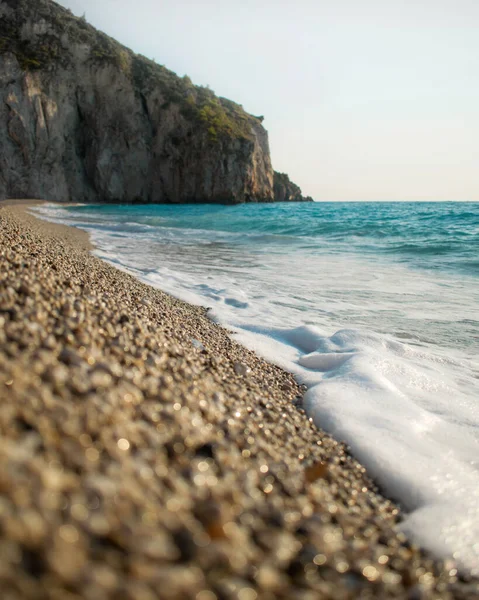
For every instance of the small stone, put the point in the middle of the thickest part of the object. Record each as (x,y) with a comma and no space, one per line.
(24,288)
(241,369)
(49,342)
(318,470)
(198,345)
(123,444)
(100,379)
(70,357)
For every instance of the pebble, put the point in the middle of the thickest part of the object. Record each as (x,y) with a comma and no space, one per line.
(241,369)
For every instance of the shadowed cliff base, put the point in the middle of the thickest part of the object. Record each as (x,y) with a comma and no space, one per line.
(87,120)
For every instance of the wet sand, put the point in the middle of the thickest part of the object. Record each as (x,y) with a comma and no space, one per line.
(144,454)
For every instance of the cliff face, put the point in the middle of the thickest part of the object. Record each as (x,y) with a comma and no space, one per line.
(287,191)
(83,118)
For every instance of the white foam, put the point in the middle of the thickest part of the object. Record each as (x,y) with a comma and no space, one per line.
(395,407)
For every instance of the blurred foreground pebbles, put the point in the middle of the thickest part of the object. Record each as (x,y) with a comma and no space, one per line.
(144,455)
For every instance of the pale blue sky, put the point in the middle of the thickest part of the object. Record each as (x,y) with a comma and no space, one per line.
(363,99)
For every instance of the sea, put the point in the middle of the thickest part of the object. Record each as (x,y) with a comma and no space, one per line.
(374,306)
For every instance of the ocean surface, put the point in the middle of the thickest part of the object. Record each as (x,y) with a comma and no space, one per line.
(374,306)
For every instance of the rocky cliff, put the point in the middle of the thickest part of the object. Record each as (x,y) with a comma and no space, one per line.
(286,191)
(83,118)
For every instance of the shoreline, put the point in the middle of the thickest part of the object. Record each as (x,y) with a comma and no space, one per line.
(239,478)
(78,236)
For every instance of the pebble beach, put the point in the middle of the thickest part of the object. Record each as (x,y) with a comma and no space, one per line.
(144,454)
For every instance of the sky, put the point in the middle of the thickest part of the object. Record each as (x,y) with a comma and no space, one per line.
(362,99)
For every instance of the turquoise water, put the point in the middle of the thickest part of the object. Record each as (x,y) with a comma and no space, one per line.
(387,246)
(441,235)
(374,306)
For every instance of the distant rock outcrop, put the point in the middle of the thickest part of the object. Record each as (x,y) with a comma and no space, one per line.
(83,118)
(287,191)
